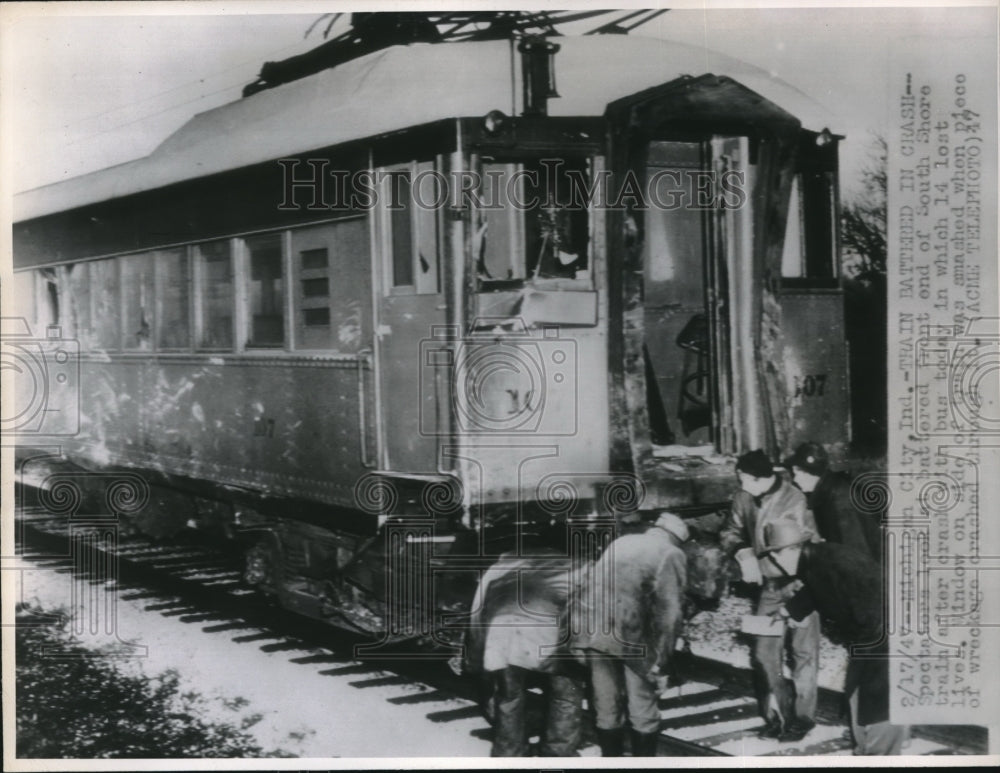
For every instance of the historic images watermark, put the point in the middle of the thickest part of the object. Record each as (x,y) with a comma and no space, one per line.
(312,185)
(82,517)
(523,384)
(43,395)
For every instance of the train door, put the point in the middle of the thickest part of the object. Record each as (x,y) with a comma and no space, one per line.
(675,320)
(692,235)
(413,405)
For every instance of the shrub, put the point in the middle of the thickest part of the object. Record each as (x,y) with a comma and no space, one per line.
(76,702)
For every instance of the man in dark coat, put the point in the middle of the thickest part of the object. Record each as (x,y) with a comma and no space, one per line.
(845,586)
(518,626)
(630,615)
(828,495)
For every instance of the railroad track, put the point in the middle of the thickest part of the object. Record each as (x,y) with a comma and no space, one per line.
(713,713)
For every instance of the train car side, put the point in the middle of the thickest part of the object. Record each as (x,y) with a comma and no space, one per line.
(380,396)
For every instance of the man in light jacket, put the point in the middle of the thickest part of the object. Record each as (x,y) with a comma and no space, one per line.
(518,626)
(766,498)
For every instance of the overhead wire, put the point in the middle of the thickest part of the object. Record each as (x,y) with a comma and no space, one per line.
(180,87)
(459,20)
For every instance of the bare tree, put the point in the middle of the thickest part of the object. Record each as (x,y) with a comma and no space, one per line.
(863,237)
(863,219)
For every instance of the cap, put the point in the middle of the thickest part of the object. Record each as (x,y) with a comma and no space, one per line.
(811,457)
(673,524)
(782,534)
(755,463)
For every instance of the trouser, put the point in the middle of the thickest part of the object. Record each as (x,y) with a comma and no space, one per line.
(616,686)
(878,738)
(768,658)
(563,728)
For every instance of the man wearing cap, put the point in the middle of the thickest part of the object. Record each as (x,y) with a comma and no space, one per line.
(845,586)
(628,620)
(828,495)
(767,498)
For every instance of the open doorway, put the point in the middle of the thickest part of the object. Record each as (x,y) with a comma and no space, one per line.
(677,350)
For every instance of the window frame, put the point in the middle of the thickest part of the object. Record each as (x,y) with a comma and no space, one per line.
(159,268)
(300,275)
(197,276)
(245,340)
(124,307)
(420,285)
(108,302)
(809,236)
(517,219)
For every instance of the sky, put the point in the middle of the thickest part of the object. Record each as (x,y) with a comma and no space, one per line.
(88,85)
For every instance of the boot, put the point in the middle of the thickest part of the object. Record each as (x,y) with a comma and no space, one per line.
(644,744)
(773,727)
(612,742)
(797,729)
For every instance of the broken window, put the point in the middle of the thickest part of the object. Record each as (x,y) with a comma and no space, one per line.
(137,301)
(104,297)
(534,221)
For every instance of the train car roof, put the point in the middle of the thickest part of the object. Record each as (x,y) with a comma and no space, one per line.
(399,87)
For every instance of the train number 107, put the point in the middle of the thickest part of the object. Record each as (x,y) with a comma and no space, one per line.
(810,386)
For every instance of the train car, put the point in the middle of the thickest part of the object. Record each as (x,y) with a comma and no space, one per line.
(390,310)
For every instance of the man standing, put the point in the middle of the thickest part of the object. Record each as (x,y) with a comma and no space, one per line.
(828,495)
(845,586)
(766,498)
(518,626)
(627,626)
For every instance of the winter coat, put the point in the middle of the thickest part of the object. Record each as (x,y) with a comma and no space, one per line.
(749,516)
(631,602)
(519,614)
(838,520)
(845,586)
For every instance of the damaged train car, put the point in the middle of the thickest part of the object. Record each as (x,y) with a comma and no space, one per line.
(388,312)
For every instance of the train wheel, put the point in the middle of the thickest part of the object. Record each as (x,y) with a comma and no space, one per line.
(262,565)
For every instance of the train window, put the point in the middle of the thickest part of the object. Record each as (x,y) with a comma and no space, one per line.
(314,298)
(401,225)
(410,228)
(48,302)
(557,229)
(792,260)
(266,292)
(78,286)
(818,197)
(426,219)
(172,297)
(810,237)
(499,232)
(215,297)
(535,221)
(137,301)
(105,303)
(327,314)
